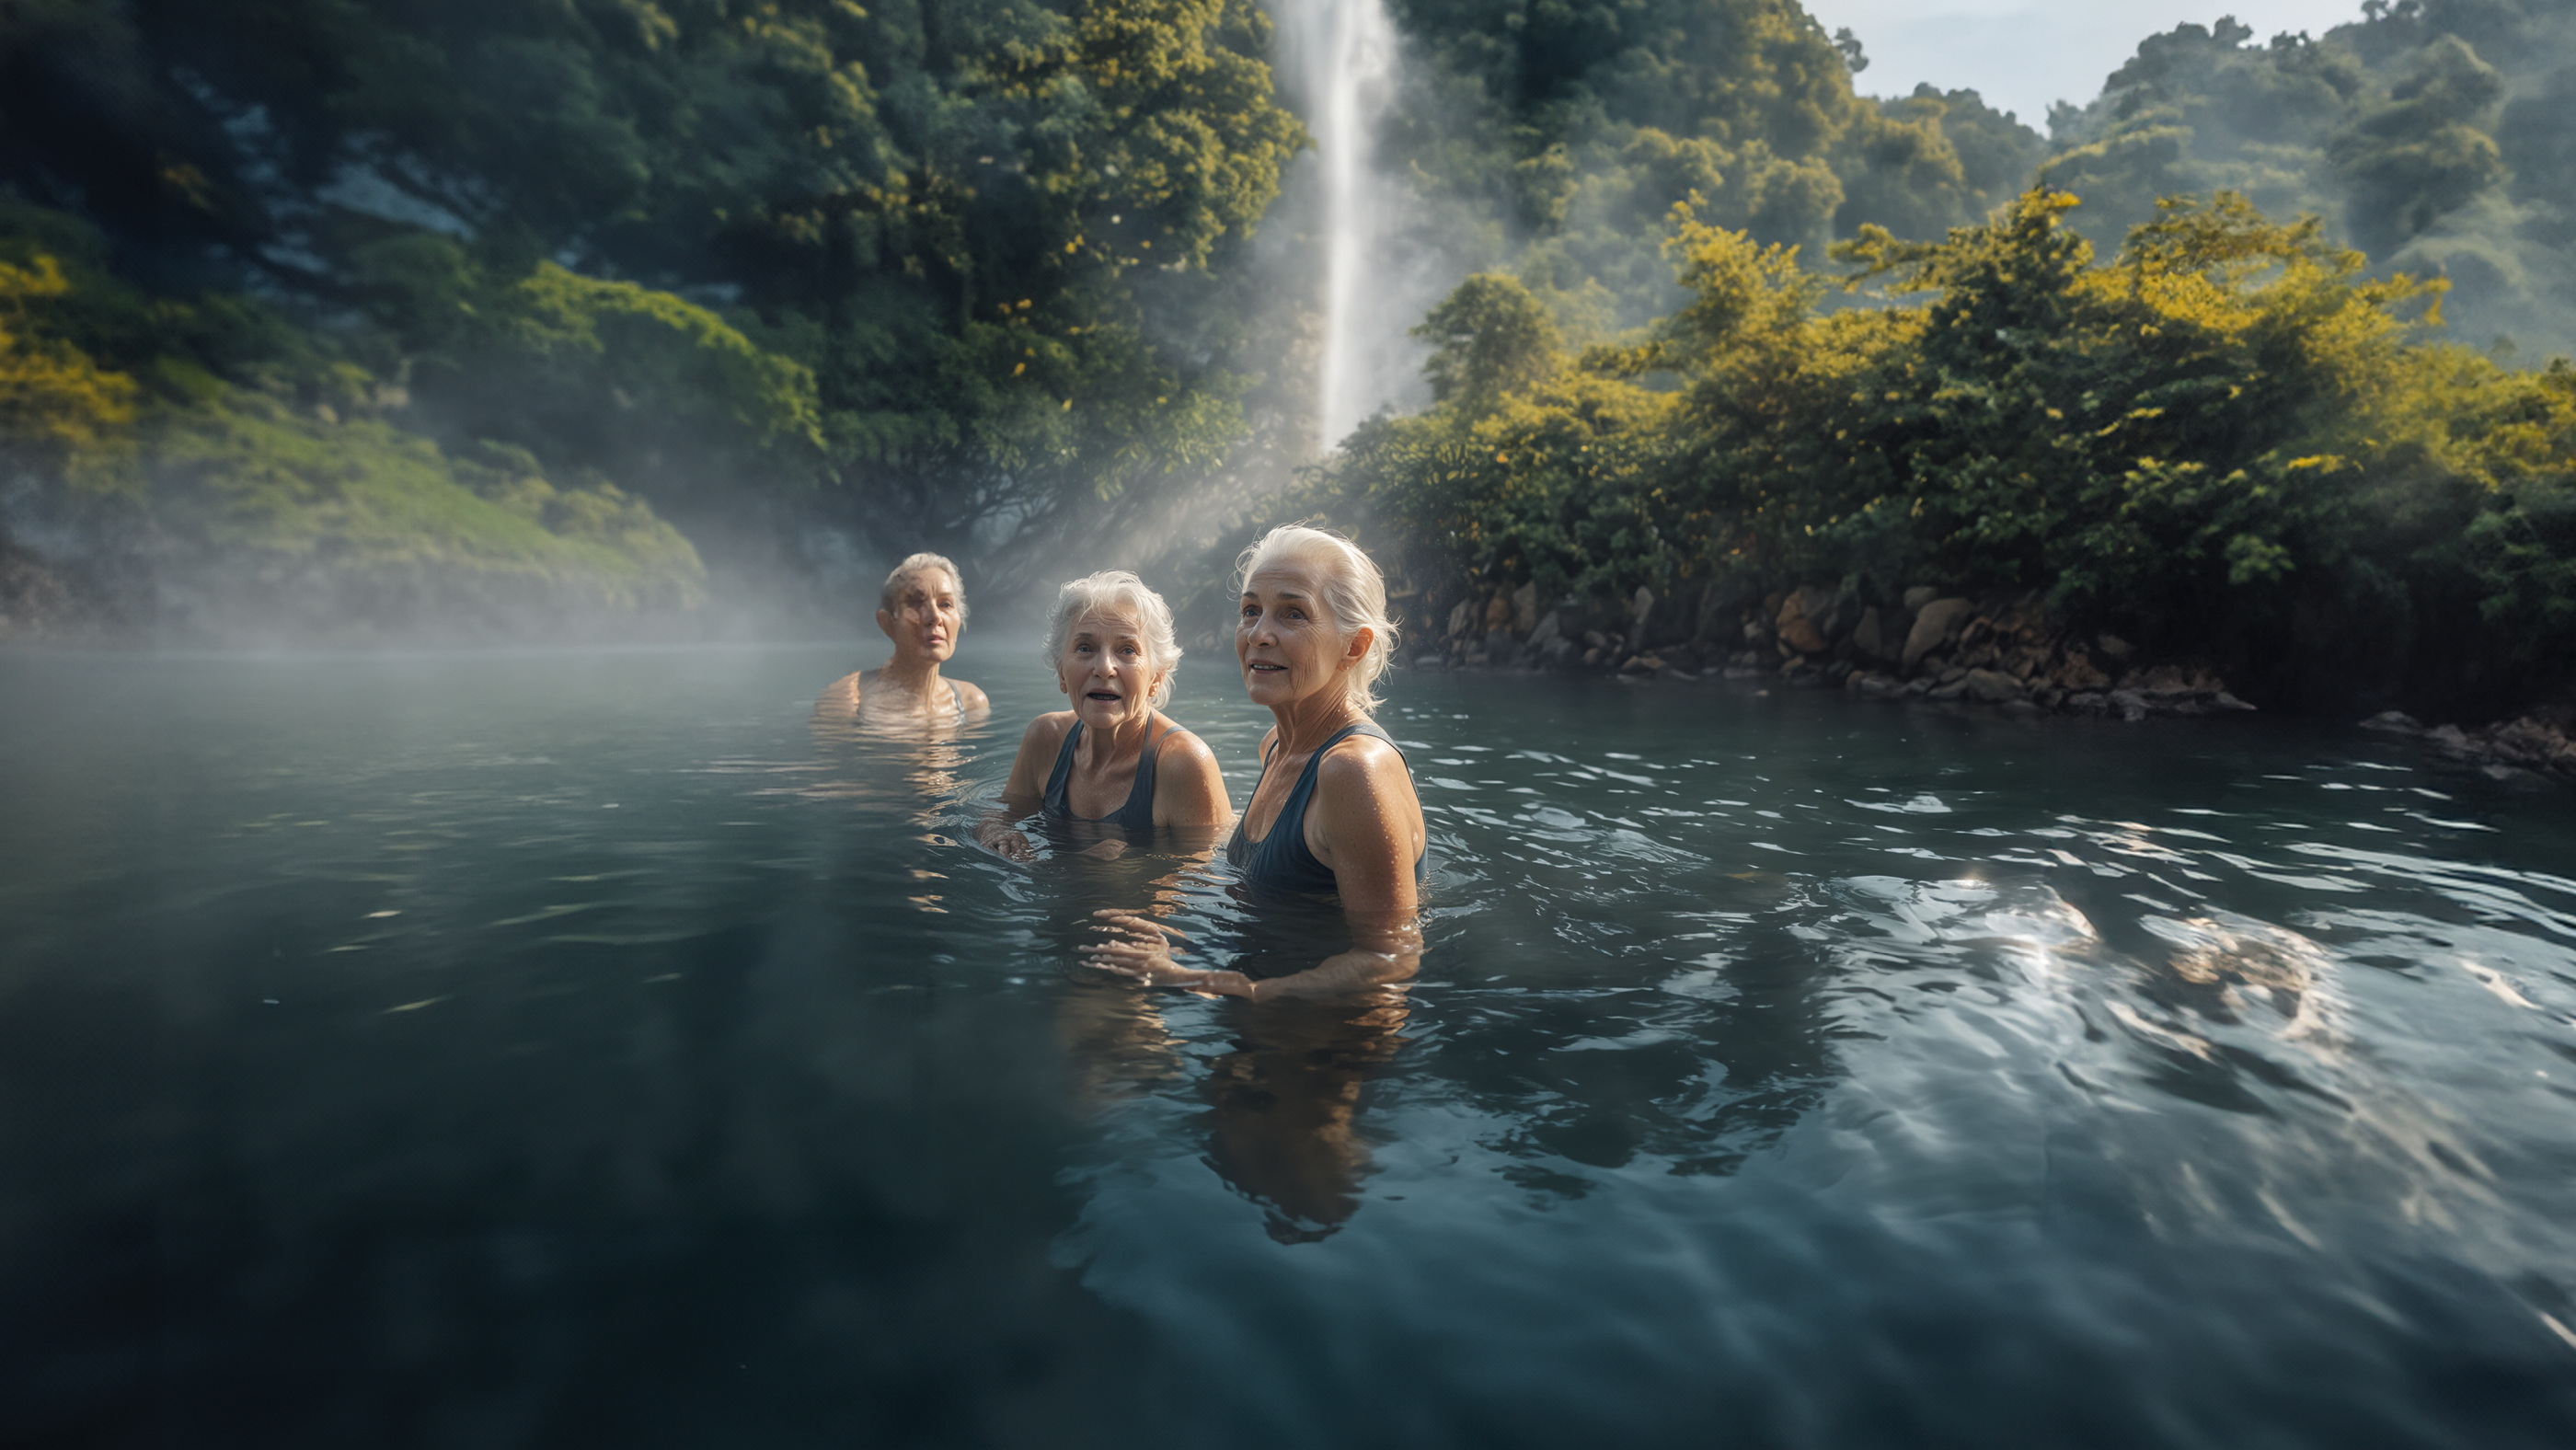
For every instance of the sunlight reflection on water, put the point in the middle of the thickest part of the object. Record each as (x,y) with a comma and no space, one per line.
(1840,1073)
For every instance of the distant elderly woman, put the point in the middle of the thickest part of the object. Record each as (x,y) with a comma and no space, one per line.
(922,609)
(1115,758)
(1335,810)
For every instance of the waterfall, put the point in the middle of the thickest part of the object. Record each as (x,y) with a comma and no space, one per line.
(1339,63)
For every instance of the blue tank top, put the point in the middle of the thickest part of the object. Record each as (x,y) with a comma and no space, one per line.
(1280,861)
(1138,813)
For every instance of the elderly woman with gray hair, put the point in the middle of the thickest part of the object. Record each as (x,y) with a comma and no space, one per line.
(922,610)
(1114,758)
(1335,811)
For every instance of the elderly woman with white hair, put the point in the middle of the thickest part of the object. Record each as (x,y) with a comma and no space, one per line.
(1113,759)
(922,609)
(1335,811)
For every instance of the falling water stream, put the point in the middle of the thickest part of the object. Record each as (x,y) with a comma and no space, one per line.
(1338,59)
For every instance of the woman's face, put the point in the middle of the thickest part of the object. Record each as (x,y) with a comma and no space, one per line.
(1107,671)
(927,617)
(1287,641)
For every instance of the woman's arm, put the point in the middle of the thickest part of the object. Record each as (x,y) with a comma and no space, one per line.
(1189,789)
(1025,791)
(1371,826)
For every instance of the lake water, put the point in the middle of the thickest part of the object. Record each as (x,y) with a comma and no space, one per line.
(572,1049)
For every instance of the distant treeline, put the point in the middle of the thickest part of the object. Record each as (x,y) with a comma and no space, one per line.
(2224,443)
(536,307)
(942,275)
(2168,414)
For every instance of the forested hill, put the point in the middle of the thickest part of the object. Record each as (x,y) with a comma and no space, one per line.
(346,313)
(814,282)
(810,280)
(2437,136)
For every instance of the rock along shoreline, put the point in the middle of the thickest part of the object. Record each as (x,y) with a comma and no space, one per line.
(2002,651)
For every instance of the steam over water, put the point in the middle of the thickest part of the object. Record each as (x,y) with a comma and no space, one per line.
(573,1049)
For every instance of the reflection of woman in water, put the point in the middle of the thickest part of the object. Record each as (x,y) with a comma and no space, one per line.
(1334,811)
(1114,758)
(923,610)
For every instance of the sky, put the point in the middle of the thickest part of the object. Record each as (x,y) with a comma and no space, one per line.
(2023,54)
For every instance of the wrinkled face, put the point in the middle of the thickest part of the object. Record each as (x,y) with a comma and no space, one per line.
(1287,641)
(927,617)
(1107,670)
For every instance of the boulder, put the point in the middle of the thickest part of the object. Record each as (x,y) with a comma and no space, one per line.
(1994,687)
(2395,722)
(1641,608)
(1867,637)
(1794,628)
(1525,609)
(1934,626)
(2130,704)
(1918,596)
(2113,647)
(1641,665)
(1545,631)
(2079,674)
(1558,653)
(1498,612)
(1801,635)
(1461,617)
(1831,611)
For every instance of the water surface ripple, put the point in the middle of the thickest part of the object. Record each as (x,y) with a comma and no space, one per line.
(547,1050)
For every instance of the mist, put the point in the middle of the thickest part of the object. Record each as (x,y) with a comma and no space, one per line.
(316,360)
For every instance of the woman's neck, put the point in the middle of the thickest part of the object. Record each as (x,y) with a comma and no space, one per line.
(1100,747)
(918,678)
(1308,723)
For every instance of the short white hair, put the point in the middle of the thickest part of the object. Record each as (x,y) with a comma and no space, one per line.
(892,594)
(1116,591)
(1354,591)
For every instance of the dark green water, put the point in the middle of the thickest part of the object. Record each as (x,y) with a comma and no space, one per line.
(549,1050)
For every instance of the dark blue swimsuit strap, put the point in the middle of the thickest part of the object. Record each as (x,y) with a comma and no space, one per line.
(1280,860)
(1138,812)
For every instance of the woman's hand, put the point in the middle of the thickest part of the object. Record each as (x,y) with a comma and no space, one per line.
(1140,947)
(996,835)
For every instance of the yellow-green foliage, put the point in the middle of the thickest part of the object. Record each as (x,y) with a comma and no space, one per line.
(240,487)
(249,480)
(58,409)
(2230,438)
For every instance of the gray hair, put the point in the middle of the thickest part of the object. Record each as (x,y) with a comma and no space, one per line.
(1354,591)
(1116,591)
(891,595)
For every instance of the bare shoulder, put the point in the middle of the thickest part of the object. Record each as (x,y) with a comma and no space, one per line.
(1180,743)
(840,697)
(1048,729)
(974,699)
(1364,766)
